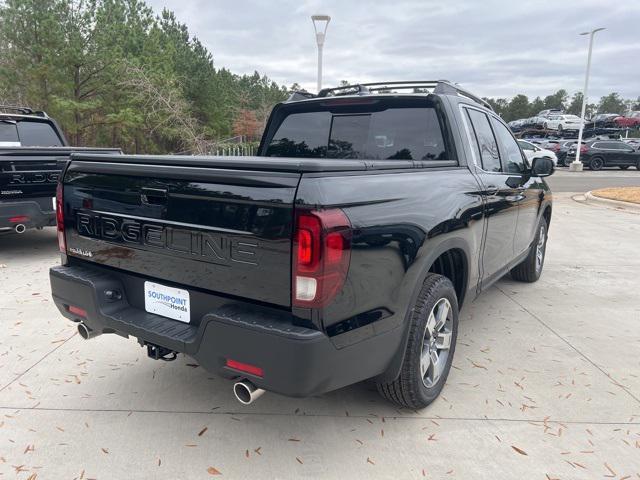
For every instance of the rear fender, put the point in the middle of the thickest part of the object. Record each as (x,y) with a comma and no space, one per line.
(394,367)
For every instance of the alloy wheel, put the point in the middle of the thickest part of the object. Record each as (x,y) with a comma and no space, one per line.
(436,342)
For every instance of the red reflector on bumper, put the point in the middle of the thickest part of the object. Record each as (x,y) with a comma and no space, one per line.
(77,311)
(19,219)
(245,367)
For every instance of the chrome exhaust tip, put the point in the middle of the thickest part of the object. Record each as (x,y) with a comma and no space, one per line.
(85,332)
(246,392)
(20,228)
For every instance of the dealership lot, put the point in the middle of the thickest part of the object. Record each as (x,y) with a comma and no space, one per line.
(545,384)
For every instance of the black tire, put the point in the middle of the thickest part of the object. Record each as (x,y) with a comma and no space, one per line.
(529,270)
(409,388)
(623,167)
(545,125)
(638,165)
(559,128)
(596,163)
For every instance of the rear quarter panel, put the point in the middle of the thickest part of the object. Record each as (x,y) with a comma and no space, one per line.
(405,222)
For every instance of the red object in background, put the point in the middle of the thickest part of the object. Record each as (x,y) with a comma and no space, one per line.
(633,120)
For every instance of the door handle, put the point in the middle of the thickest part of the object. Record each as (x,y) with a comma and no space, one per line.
(153,196)
(492,190)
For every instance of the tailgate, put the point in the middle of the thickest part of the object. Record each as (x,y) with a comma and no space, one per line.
(221,230)
(29,176)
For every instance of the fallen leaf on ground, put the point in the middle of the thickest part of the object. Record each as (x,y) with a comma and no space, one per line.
(519,450)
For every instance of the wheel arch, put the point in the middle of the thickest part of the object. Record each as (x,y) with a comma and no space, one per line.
(450,259)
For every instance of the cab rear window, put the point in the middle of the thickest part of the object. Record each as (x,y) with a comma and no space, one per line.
(400,133)
(27,133)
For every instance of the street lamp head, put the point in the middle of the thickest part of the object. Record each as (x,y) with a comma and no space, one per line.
(593,31)
(320,23)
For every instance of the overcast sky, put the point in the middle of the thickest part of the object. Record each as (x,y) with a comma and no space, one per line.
(494,48)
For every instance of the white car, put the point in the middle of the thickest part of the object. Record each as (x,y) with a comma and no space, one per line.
(562,122)
(532,151)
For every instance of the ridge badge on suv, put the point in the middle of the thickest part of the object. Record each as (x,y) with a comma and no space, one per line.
(342,252)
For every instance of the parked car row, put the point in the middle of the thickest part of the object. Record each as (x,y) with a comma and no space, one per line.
(558,150)
(560,121)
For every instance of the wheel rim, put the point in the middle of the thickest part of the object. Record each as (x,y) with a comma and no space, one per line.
(540,247)
(596,163)
(436,342)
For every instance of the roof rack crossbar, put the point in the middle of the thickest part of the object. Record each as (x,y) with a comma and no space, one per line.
(22,110)
(438,86)
(360,89)
(16,108)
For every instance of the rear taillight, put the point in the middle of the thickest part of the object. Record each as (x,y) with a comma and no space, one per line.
(62,243)
(556,147)
(321,254)
(584,149)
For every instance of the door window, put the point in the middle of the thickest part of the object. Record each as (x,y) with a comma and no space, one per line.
(509,150)
(485,144)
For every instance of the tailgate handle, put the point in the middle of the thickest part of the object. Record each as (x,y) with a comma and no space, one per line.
(153,196)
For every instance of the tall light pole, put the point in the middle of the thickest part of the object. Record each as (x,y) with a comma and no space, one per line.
(320,24)
(576,165)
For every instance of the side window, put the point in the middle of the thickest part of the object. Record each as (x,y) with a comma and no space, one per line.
(510,152)
(486,146)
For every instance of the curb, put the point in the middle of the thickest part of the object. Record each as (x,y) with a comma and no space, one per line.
(612,203)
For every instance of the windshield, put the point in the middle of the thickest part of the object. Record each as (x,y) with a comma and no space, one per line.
(27,133)
(348,132)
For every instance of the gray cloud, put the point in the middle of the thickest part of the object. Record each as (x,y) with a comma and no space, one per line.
(494,47)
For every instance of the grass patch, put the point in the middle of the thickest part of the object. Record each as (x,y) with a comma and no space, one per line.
(624,194)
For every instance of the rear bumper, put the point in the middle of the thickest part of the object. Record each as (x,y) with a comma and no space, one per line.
(37,212)
(296,361)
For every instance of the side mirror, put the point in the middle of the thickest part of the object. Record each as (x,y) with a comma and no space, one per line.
(542,167)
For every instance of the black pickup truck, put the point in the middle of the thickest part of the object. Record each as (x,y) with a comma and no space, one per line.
(33,151)
(343,252)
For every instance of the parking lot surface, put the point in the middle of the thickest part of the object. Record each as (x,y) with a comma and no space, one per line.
(565,181)
(545,384)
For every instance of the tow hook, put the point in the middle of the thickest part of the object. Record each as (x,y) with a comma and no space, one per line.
(160,353)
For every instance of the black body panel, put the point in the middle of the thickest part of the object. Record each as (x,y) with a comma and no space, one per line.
(227,232)
(297,361)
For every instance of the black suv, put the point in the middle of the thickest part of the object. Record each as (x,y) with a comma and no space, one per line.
(341,253)
(597,154)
